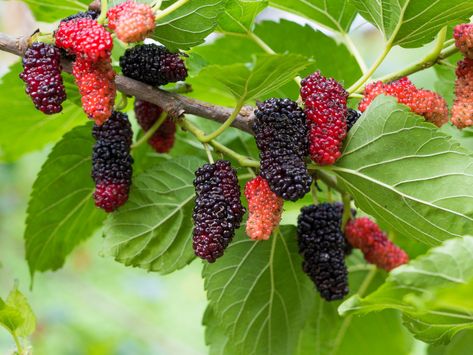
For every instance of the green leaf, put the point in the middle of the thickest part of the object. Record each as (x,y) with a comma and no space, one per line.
(268,73)
(188,26)
(153,230)
(408,174)
(19,302)
(412,288)
(260,294)
(460,345)
(413,23)
(61,211)
(26,129)
(239,15)
(51,10)
(334,15)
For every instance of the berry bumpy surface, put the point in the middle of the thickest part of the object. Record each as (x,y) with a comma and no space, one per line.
(153,65)
(463,35)
(96,83)
(218,211)
(462,110)
(325,102)
(264,208)
(364,234)
(352,118)
(147,114)
(322,246)
(423,102)
(281,136)
(42,76)
(84,37)
(131,21)
(112,162)
(86,14)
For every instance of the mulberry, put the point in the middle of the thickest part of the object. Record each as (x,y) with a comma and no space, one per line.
(87,14)
(463,35)
(147,114)
(423,102)
(153,65)
(131,21)
(281,136)
(462,111)
(96,83)
(42,75)
(325,103)
(84,37)
(352,118)
(264,207)
(112,162)
(322,246)
(364,234)
(218,211)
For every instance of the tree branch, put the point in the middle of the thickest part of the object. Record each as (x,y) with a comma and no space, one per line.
(176,105)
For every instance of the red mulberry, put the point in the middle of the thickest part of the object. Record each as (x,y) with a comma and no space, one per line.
(131,21)
(364,234)
(42,75)
(423,102)
(84,37)
(264,207)
(326,110)
(96,82)
(462,111)
(153,65)
(112,162)
(147,114)
(463,35)
(322,246)
(218,211)
(281,136)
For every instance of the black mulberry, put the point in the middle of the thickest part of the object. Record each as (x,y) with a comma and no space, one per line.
(112,162)
(42,75)
(352,117)
(322,246)
(218,211)
(282,138)
(87,14)
(153,65)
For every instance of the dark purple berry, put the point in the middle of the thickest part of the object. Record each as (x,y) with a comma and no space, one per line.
(352,117)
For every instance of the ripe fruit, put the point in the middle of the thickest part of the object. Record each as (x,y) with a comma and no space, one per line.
(364,234)
(463,35)
(112,162)
(84,37)
(131,21)
(462,111)
(87,14)
(218,211)
(322,246)
(264,207)
(147,114)
(153,64)
(96,83)
(281,136)
(42,75)
(352,118)
(423,102)
(325,103)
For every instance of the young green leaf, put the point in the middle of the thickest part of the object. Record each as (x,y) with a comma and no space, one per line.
(413,23)
(61,211)
(16,314)
(412,289)
(189,24)
(259,294)
(408,174)
(50,10)
(154,229)
(239,15)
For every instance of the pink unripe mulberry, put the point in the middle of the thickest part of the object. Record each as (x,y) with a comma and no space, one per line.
(264,207)
(463,35)
(462,111)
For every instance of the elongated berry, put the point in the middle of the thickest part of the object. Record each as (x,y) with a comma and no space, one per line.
(364,234)
(218,211)
(264,208)
(462,110)
(42,75)
(325,102)
(463,35)
(281,136)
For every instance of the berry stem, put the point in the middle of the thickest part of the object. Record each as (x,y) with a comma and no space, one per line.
(313,192)
(163,13)
(19,348)
(103,11)
(122,103)
(149,133)
(346,209)
(209,153)
(45,38)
